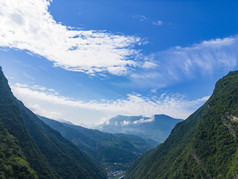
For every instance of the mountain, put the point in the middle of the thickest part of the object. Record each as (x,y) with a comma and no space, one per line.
(13,163)
(157,128)
(114,151)
(203,146)
(31,149)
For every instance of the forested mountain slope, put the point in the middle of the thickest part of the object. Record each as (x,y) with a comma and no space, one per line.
(203,146)
(30,148)
(106,148)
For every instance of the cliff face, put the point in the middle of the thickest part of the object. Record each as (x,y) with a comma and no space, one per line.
(203,146)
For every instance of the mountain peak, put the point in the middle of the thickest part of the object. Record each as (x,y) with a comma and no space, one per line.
(164,116)
(157,128)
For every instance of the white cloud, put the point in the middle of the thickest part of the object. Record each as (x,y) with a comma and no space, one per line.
(158,23)
(181,63)
(27,25)
(124,123)
(28,76)
(205,57)
(50,114)
(142,120)
(154,90)
(149,65)
(140,17)
(49,103)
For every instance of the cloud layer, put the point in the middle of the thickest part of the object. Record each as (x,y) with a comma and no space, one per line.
(49,103)
(203,59)
(27,25)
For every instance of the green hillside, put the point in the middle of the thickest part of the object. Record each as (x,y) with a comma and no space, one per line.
(203,146)
(13,163)
(113,151)
(30,148)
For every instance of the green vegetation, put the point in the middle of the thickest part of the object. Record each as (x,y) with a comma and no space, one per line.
(12,161)
(114,151)
(203,146)
(31,149)
(12,121)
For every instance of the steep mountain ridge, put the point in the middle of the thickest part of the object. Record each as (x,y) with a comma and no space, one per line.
(45,152)
(203,146)
(13,123)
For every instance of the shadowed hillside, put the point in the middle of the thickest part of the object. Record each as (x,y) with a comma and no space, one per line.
(114,151)
(29,148)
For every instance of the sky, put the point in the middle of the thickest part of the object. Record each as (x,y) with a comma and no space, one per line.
(85,61)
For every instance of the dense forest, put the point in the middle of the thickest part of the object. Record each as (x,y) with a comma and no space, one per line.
(113,151)
(30,149)
(203,146)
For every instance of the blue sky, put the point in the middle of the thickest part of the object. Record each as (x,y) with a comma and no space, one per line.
(87,61)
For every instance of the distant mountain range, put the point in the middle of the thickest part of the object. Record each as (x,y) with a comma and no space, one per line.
(203,146)
(113,151)
(157,128)
(31,149)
